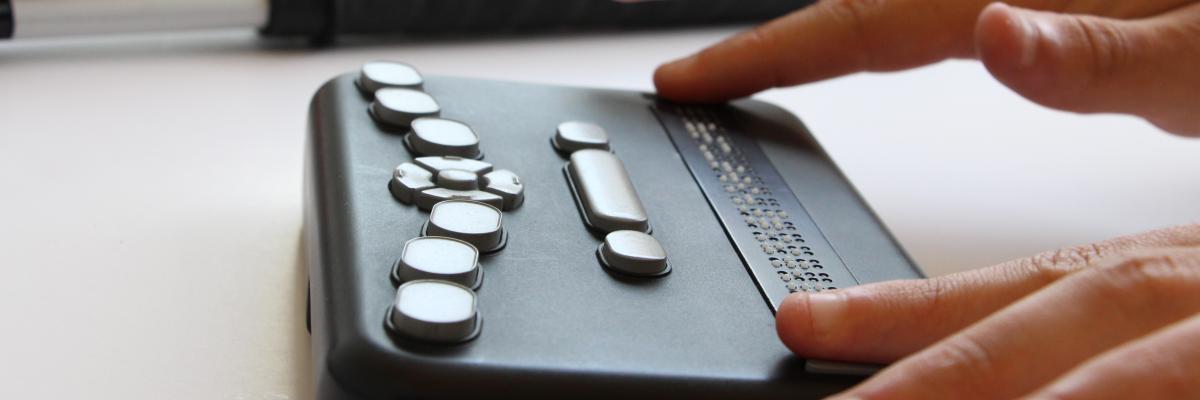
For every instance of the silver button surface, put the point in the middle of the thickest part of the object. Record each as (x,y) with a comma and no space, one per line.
(507,185)
(473,222)
(409,179)
(399,107)
(458,179)
(605,192)
(377,75)
(429,198)
(435,311)
(573,135)
(442,258)
(633,253)
(442,137)
(437,164)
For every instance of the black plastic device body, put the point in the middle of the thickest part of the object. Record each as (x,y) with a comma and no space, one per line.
(554,320)
(6,19)
(334,17)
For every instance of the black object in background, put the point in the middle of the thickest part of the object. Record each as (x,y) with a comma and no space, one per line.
(329,18)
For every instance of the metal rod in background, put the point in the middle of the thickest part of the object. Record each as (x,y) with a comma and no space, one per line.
(42,18)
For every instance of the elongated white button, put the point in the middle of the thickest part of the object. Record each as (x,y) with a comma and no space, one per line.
(633,253)
(473,222)
(377,75)
(437,164)
(605,193)
(442,137)
(399,107)
(435,311)
(443,258)
(427,199)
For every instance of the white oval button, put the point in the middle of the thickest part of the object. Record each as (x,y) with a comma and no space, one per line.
(435,311)
(377,75)
(473,222)
(440,258)
(399,107)
(443,137)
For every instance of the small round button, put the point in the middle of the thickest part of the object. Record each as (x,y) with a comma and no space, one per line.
(399,107)
(458,179)
(441,258)
(377,75)
(473,222)
(574,135)
(435,311)
(634,253)
(443,137)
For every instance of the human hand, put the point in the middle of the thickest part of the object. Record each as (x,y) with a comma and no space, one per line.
(1130,56)
(1114,320)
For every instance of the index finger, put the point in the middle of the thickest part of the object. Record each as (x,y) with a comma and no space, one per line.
(827,39)
(886,321)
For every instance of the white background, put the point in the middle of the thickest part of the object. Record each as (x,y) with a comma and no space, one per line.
(150,189)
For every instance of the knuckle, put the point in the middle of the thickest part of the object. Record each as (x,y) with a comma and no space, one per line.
(1052,265)
(1153,271)
(965,358)
(933,293)
(1172,374)
(765,36)
(1106,44)
(856,16)
(1183,235)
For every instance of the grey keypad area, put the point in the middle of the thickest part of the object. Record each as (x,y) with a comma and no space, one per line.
(437,273)
(782,247)
(608,202)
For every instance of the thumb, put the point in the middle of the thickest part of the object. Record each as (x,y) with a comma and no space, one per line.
(1092,64)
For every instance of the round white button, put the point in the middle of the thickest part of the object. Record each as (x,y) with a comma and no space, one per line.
(441,258)
(442,137)
(458,179)
(400,107)
(377,75)
(435,311)
(476,223)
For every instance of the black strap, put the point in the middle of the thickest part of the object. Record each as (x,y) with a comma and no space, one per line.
(6,19)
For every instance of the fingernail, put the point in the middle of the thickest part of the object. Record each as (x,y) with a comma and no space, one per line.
(825,310)
(1029,41)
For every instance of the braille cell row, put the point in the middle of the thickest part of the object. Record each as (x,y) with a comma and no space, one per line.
(778,237)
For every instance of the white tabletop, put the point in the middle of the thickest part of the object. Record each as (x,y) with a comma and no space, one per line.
(151,207)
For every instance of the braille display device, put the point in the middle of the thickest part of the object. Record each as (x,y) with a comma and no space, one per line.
(470,238)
